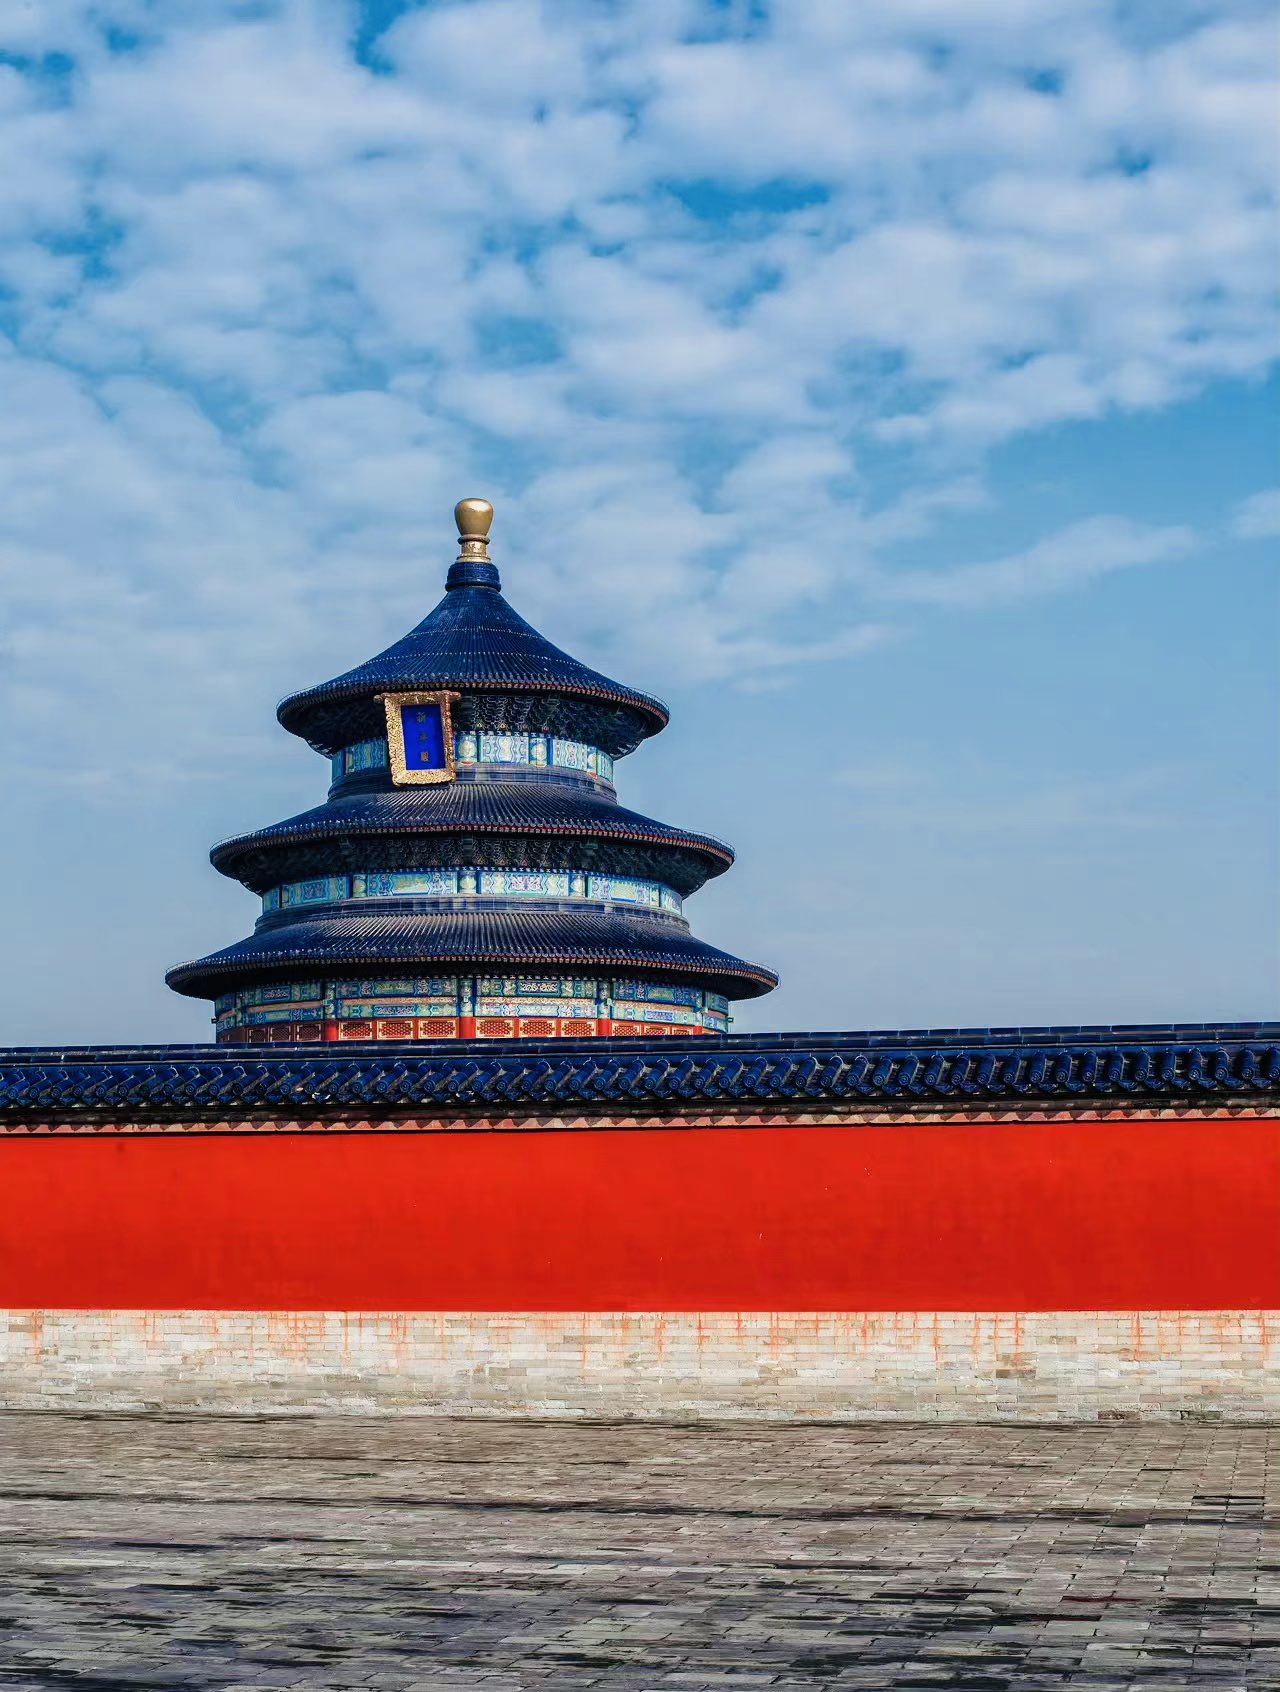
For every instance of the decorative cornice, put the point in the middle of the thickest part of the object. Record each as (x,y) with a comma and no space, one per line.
(615,1121)
(965,1071)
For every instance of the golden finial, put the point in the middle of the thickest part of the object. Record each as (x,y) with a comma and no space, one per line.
(473,517)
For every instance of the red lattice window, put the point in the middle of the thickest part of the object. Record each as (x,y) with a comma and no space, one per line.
(496,1027)
(577,1029)
(395,1028)
(538,1027)
(656,1028)
(437,1028)
(355,1031)
(280,1033)
(309,1031)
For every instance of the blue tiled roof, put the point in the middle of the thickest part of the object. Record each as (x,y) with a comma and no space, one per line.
(1192,1062)
(428,825)
(612,942)
(473,642)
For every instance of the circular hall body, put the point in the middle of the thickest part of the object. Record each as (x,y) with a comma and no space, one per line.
(471,874)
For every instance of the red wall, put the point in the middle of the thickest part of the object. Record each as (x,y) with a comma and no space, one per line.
(1107,1215)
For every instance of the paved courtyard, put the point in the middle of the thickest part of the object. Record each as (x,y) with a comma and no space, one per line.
(182,1552)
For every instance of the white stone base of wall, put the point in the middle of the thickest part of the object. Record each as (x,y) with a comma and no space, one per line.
(946,1366)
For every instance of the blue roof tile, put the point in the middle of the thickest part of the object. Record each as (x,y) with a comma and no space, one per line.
(612,943)
(1188,1063)
(472,641)
(419,819)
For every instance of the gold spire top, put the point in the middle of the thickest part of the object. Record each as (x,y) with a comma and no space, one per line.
(473,517)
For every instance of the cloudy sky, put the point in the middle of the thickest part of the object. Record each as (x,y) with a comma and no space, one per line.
(890,387)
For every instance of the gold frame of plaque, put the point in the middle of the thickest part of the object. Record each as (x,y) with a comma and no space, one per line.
(401,775)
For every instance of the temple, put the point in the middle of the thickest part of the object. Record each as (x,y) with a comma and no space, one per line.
(471,874)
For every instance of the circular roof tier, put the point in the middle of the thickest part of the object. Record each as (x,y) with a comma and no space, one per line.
(487,824)
(607,942)
(473,643)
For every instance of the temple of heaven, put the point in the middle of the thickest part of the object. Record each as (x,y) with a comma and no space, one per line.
(471,874)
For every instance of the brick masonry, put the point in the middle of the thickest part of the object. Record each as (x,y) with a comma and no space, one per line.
(943,1366)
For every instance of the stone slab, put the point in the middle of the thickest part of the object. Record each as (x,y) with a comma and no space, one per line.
(403,1555)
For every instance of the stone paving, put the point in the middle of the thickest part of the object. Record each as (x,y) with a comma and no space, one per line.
(416,1554)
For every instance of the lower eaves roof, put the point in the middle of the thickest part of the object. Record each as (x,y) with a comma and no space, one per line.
(605,942)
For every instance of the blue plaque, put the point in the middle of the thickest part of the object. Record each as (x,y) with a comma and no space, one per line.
(423,729)
(419,737)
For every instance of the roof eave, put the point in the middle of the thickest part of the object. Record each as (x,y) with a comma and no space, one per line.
(204,978)
(293,709)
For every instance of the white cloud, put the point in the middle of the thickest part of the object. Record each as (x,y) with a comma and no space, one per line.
(1258,517)
(663,278)
(1073,556)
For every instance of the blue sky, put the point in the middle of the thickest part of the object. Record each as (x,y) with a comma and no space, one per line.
(891,388)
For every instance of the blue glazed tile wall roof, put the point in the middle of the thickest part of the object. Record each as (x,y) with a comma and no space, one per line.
(1186,1062)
